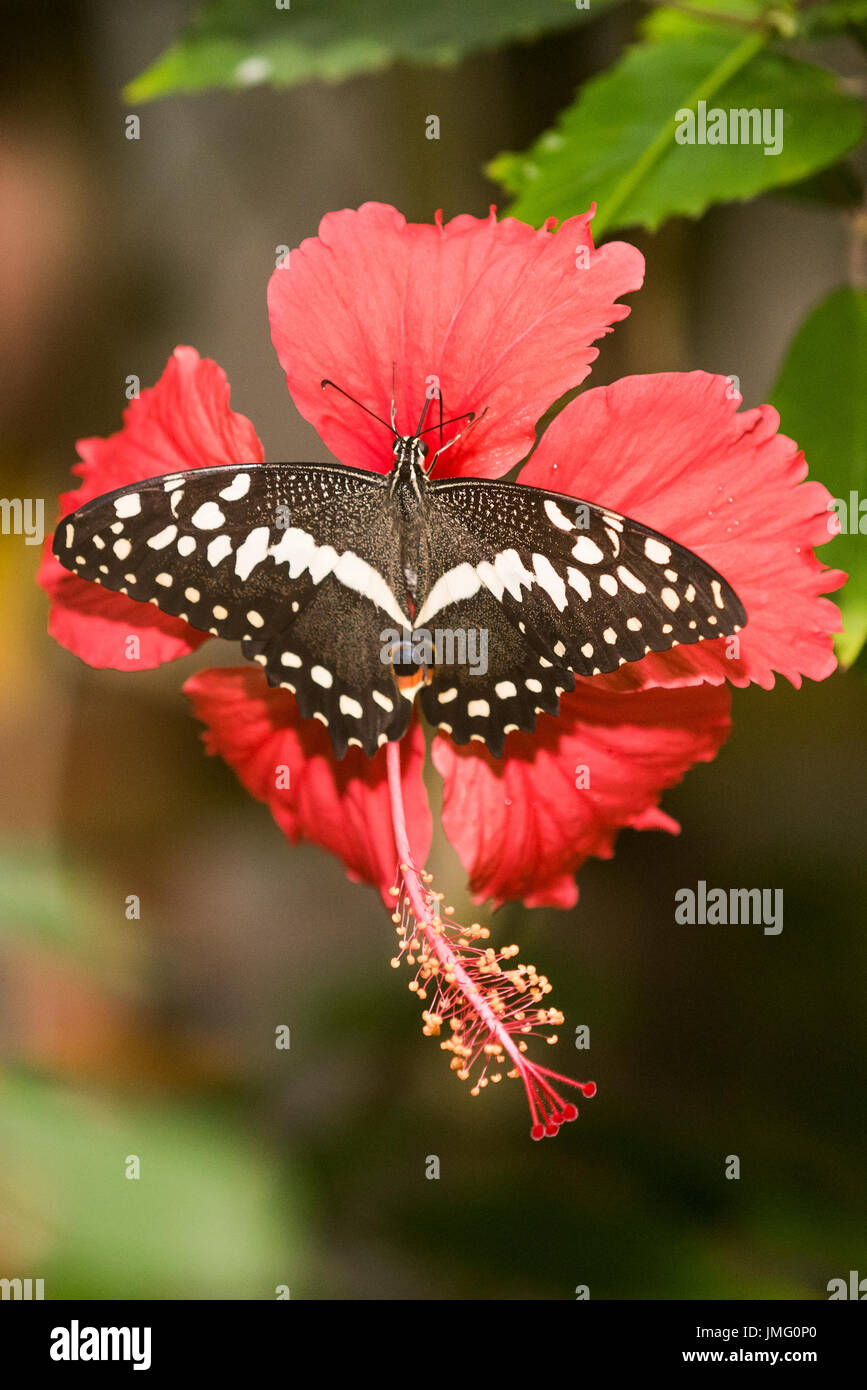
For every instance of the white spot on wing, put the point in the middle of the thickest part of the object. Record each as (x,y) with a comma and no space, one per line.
(629,579)
(163,538)
(550,580)
(358,575)
(557,516)
(587,552)
(657,552)
(208,517)
(511,570)
(252,551)
(129,505)
(238,488)
(453,586)
(218,549)
(580,583)
(322,562)
(299,550)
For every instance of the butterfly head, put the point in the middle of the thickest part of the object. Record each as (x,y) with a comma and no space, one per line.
(409,445)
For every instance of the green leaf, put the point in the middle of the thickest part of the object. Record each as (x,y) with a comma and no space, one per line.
(244,43)
(616,144)
(205,1219)
(822,399)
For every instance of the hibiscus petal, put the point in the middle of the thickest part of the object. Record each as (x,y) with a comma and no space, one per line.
(182,422)
(500,315)
(342,806)
(521,825)
(673,451)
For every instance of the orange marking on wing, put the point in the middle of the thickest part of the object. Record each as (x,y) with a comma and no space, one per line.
(423,676)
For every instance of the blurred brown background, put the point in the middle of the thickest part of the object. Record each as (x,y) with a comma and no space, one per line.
(156,1038)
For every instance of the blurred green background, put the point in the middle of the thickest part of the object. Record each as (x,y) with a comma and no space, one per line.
(306,1168)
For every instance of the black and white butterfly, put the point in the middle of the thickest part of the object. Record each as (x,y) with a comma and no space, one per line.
(354,589)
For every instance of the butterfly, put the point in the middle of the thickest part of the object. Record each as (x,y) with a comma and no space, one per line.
(361,592)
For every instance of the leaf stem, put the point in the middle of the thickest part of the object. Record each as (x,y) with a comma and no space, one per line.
(721,74)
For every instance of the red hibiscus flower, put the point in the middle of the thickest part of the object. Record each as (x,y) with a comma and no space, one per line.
(500,320)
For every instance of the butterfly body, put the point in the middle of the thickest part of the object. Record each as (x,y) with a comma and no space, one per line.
(361,592)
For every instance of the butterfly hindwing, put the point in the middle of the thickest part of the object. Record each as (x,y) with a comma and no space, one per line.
(283,557)
(487,679)
(584,588)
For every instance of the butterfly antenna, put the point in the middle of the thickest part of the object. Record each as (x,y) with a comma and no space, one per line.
(470,417)
(393,401)
(424,411)
(365,408)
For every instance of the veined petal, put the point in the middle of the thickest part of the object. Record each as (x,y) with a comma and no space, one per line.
(524,824)
(288,763)
(500,315)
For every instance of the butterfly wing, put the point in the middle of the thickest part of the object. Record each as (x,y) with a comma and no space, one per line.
(286,558)
(584,588)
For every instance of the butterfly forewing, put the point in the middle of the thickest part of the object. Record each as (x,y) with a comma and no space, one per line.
(286,558)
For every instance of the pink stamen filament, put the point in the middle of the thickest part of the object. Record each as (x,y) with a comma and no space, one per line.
(548,1109)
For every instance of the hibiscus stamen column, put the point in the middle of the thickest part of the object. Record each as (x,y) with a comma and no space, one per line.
(490,1006)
